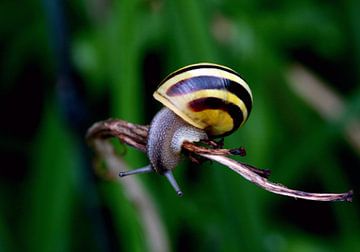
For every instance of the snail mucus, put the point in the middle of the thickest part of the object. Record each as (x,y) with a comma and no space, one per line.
(201,101)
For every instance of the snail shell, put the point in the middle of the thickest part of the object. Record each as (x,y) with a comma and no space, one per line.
(208,96)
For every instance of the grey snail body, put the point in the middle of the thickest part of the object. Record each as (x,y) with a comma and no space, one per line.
(201,101)
(166,135)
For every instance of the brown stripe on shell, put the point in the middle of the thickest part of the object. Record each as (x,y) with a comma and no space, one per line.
(234,111)
(197,83)
(199,66)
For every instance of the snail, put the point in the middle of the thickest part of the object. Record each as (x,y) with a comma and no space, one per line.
(202,101)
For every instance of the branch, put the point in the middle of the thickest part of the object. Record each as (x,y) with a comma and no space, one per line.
(244,171)
(192,148)
(131,134)
(136,136)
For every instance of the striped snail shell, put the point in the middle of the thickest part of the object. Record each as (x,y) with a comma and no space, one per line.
(208,96)
(201,101)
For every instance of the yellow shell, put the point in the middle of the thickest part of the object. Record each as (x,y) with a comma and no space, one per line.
(208,96)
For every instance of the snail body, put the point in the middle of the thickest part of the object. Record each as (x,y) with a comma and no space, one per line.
(201,101)
(166,135)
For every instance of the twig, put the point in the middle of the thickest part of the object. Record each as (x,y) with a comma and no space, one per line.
(131,134)
(136,135)
(244,171)
(192,148)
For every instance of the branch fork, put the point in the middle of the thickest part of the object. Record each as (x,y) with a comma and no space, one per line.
(136,136)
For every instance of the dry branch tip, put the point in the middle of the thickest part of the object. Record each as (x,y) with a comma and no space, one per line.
(136,136)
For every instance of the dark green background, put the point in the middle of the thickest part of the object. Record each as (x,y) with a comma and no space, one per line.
(67,64)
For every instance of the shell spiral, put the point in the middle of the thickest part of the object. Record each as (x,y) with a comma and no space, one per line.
(207,96)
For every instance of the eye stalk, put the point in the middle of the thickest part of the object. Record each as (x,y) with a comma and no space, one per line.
(168,174)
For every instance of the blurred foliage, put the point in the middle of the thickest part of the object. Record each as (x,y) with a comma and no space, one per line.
(67,64)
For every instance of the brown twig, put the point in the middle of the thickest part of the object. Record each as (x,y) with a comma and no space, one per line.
(136,135)
(129,133)
(217,151)
(192,148)
(244,171)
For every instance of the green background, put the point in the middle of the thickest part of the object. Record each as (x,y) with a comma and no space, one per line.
(67,64)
